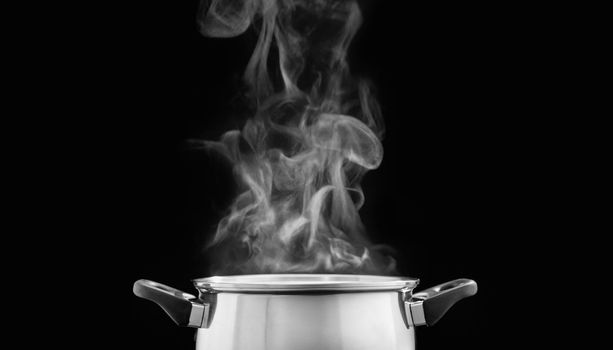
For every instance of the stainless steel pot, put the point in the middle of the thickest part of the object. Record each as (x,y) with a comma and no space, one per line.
(306,312)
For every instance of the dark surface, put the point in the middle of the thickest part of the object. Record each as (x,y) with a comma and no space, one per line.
(456,84)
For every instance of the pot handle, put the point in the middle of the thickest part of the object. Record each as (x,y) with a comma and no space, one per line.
(430,305)
(185,309)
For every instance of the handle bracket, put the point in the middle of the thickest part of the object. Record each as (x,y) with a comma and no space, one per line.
(183,308)
(429,306)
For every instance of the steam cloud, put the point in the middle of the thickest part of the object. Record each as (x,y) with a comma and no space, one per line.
(300,158)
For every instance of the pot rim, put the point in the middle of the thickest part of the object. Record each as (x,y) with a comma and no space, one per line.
(264,283)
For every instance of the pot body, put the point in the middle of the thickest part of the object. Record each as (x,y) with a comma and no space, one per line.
(306,312)
(318,321)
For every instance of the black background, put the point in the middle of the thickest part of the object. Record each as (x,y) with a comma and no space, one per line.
(461,88)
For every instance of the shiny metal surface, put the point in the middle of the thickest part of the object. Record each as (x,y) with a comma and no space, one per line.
(348,321)
(198,315)
(306,312)
(304,283)
(415,313)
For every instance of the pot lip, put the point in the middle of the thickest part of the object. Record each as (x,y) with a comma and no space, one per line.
(265,283)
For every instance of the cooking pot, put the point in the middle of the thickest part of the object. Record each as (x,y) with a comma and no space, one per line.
(306,311)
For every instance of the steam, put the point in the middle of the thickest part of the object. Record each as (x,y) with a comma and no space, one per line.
(315,132)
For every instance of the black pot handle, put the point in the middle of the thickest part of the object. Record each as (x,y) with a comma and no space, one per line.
(430,305)
(185,309)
